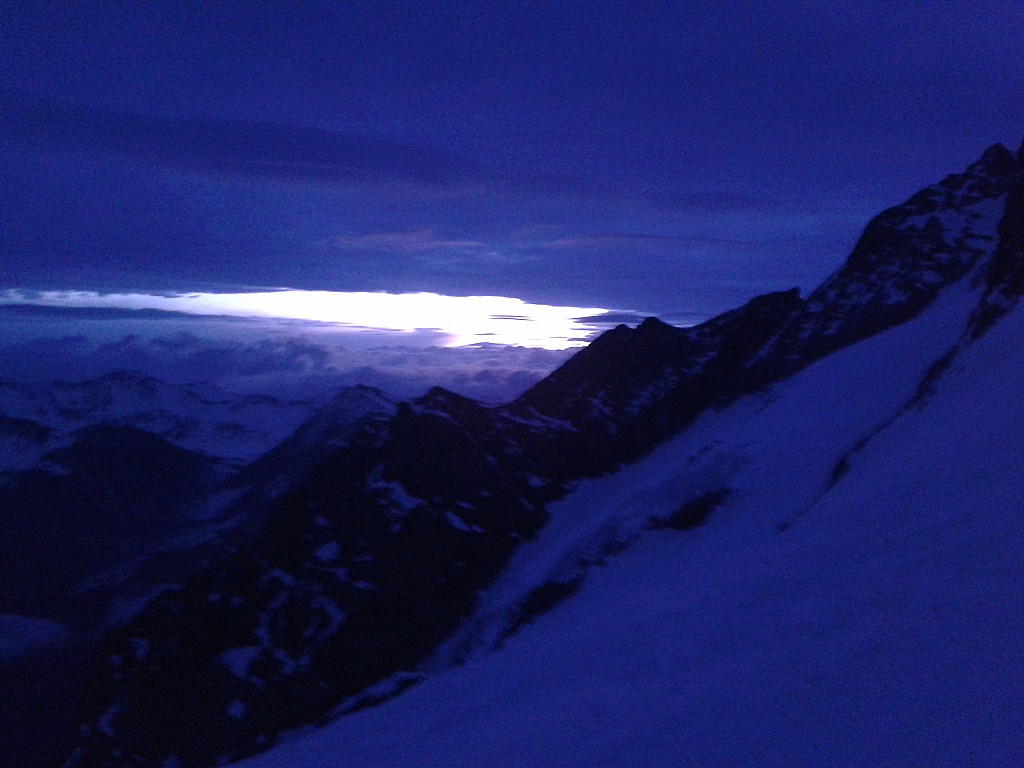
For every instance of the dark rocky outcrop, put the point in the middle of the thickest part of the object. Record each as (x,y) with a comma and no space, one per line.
(906,256)
(694,512)
(1005,274)
(634,387)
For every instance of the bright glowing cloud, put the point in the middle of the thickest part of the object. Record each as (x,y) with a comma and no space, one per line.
(463,320)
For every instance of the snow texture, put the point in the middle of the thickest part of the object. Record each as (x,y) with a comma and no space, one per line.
(854,600)
(38,418)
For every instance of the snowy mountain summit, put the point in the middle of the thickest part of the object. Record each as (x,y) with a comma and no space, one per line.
(788,536)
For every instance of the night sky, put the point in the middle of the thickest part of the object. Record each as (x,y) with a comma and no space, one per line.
(660,158)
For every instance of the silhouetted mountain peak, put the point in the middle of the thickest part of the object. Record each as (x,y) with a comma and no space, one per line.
(997,160)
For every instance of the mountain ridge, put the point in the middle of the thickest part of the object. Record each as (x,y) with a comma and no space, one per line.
(379,552)
(870,621)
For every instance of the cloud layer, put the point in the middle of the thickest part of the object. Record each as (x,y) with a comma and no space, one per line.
(454,320)
(258,354)
(665,157)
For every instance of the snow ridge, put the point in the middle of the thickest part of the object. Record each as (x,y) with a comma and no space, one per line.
(657,461)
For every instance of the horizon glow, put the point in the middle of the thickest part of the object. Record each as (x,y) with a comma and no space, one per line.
(463,320)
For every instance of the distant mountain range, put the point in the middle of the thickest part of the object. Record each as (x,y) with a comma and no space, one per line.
(299,573)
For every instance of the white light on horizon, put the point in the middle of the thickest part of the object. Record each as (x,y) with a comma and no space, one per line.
(462,320)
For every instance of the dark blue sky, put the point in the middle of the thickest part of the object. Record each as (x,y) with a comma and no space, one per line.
(672,158)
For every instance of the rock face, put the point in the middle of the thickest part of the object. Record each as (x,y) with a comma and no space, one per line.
(361,570)
(1005,274)
(904,258)
(375,552)
(632,388)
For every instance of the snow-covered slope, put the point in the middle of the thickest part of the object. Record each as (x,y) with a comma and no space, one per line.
(114,489)
(853,599)
(95,474)
(36,418)
(769,457)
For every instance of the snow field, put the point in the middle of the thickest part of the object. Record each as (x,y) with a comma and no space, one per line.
(873,621)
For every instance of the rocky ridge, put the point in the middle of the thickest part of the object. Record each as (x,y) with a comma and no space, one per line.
(375,554)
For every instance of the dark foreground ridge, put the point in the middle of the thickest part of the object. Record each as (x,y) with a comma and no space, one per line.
(376,550)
